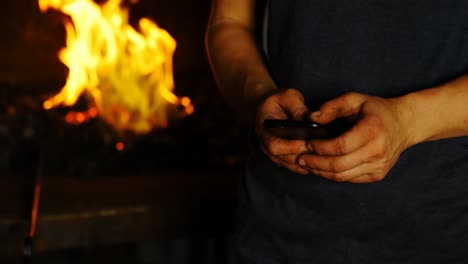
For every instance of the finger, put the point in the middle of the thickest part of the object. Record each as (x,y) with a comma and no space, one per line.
(285,159)
(335,164)
(349,175)
(369,178)
(280,146)
(294,167)
(342,106)
(339,146)
(360,134)
(292,102)
(290,159)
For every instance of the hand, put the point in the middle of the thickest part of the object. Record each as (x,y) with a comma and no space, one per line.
(366,152)
(284,104)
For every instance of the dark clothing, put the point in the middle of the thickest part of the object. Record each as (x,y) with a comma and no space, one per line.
(387,48)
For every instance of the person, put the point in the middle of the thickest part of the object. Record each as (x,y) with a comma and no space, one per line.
(393,188)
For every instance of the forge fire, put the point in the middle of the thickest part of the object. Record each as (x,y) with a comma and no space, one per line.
(126,74)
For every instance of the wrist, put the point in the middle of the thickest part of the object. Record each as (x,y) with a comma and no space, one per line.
(411,115)
(422,115)
(256,93)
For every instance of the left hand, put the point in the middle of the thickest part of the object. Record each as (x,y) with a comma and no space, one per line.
(366,152)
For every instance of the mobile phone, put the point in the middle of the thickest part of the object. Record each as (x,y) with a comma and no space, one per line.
(294,129)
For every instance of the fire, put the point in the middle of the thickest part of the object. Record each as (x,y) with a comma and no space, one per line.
(126,73)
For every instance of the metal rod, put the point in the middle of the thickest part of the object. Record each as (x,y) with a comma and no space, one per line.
(28,245)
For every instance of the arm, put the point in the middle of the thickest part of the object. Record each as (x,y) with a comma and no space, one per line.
(385,128)
(440,112)
(235,60)
(245,82)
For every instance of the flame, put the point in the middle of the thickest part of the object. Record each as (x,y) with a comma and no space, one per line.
(126,73)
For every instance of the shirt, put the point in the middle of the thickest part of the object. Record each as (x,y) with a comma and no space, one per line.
(419,212)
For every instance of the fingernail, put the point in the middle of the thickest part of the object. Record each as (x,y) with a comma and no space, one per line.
(316,114)
(302,162)
(310,148)
(304,149)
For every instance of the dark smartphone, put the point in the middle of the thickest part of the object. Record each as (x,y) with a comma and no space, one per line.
(293,129)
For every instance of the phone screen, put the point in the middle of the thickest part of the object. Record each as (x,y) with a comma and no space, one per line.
(293,129)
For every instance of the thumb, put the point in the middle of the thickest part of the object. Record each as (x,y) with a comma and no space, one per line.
(343,106)
(293,104)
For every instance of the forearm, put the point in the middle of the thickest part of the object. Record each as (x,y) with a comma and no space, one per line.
(238,66)
(437,113)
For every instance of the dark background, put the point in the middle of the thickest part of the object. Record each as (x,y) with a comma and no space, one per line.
(169,197)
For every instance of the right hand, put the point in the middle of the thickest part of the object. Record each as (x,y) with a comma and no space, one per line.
(284,104)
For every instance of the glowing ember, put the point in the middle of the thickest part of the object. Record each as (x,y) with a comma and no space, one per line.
(126,73)
(119,146)
(77,118)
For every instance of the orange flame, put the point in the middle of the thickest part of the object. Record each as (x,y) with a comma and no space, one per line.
(128,74)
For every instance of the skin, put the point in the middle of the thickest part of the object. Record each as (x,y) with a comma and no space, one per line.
(385,127)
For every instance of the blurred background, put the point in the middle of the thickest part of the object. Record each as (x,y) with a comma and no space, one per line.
(76,189)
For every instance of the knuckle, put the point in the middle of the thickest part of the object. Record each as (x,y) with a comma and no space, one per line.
(353,95)
(350,94)
(298,111)
(380,150)
(300,170)
(292,92)
(375,177)
(289,159)
(310,146)
(349,97)
(327,105)
(272,146)
(337,166)
(308,162)
(372,133)
(341,145)
(283,158)
(339,177)
(269,100)
(293,168)
(375,127)
(317,150)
